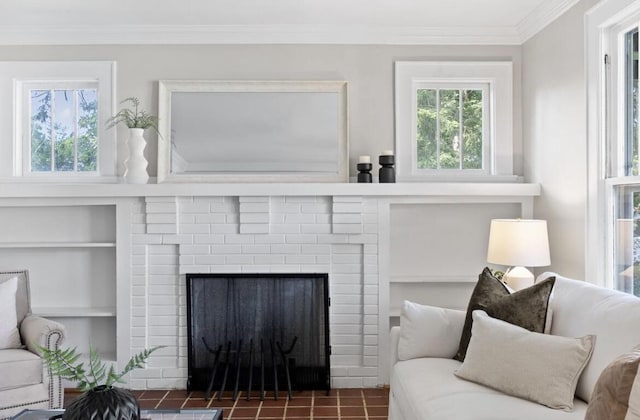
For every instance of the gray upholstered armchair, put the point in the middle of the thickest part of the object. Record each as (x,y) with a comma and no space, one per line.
(25,380)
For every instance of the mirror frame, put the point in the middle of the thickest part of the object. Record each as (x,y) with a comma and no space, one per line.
(167,87)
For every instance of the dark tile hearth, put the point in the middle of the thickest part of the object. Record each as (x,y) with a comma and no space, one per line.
(348,404)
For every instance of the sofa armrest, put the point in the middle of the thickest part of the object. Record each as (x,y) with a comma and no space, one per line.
(394,334)
(37,331)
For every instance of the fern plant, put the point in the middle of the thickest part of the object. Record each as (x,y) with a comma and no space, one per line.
(133,118)
(64,363)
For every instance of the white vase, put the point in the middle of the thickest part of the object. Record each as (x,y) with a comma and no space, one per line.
(136,165)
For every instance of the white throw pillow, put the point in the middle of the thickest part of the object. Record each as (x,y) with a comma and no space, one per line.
(538,367)
(429,331)
(9,335)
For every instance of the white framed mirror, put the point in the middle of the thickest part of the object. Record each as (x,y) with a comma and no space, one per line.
(252,131)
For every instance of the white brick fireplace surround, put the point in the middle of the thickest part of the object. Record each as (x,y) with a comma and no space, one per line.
(172,236)
(378,243)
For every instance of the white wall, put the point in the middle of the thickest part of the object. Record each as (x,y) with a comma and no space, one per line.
(431,264)
(368,69)
(555,137)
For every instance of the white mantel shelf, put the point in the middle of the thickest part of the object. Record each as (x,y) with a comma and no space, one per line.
(29,190)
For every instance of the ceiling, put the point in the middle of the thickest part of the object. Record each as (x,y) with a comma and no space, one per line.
(275,21)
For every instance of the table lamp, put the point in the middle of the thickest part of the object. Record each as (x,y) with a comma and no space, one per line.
(518,243)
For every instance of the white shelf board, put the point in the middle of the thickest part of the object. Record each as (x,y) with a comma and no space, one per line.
(433,279)
(107,358)
(493,189)
(67,312)
(57,244)
(395,312)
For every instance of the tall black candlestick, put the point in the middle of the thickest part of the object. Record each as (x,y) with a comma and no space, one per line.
(387,173)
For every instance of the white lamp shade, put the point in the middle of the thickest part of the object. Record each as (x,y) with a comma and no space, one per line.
(519,242)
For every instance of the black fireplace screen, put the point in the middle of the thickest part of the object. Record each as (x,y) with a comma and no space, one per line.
(257,332)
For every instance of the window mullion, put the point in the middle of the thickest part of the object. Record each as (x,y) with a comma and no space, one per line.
(634,115)
(460,142)
(438,128)
(487,115)
(53,130)
(625,149)
(76,93)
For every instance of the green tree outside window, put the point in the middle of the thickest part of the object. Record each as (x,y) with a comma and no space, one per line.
(449,129)
(67,122)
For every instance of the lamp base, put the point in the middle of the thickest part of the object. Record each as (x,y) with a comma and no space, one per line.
(518,278)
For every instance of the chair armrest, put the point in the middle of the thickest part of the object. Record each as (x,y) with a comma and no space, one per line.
(37,331)
(394,334)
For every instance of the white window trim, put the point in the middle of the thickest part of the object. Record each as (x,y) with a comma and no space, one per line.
(498,75)
(12,134)
(603,23)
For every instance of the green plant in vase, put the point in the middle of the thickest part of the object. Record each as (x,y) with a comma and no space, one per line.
(101,399)
(133,118)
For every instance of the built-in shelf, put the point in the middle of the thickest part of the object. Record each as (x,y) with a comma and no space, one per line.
(57,244)
(107,358)
(501,189)
(70,312)
(395,312)
(433,279)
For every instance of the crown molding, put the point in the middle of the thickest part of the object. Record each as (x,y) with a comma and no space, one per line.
(255,34)
(541,16)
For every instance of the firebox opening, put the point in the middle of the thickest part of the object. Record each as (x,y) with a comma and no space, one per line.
(258,332)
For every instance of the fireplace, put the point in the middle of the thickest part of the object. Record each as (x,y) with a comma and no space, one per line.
(257,332)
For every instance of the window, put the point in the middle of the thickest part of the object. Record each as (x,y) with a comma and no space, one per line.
(62,127)
(451,127)
(613,216)
(454,120)
(623,180)
(55,113)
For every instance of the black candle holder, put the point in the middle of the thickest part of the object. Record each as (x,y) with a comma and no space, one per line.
(387,173)
(364,173)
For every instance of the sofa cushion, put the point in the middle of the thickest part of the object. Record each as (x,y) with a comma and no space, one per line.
(526,308)
(9,335)
(617,392)
(538,367)
(580,308)
(23,305)
(427,389)
(428,331)
(19,368)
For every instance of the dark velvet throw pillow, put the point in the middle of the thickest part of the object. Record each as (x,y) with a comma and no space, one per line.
(488,289)
(526,308)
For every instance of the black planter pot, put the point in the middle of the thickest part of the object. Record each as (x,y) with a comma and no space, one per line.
(104,403)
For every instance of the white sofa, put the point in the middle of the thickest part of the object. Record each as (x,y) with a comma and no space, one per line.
(427,389)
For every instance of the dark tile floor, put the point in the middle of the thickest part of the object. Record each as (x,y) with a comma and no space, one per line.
(347,404)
